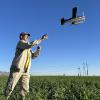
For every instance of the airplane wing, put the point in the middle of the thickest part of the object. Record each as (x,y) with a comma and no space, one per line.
(62,21)
(74,12)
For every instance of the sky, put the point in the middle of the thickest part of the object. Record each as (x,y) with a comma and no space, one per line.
(68,46)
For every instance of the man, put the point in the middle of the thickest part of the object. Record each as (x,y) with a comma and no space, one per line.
(21,64)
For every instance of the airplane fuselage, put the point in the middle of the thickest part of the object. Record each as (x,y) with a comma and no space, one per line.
(76,20)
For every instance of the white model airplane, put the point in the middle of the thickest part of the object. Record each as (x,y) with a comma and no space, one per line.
(75,19)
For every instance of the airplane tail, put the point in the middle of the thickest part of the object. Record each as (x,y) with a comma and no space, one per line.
(83,16)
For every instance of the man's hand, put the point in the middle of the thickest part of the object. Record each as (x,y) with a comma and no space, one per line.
(45,36)
(38,48)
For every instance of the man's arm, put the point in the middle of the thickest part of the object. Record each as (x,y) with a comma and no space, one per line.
(36,42)
(36,53)
(24,45)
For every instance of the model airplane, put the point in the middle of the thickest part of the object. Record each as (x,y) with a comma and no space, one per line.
(75,19)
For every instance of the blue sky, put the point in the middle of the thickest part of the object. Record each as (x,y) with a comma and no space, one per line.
(68,46)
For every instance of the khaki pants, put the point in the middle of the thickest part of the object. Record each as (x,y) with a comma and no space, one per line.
(13,80)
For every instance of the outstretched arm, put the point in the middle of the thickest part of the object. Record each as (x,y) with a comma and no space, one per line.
(36,42)
(24,45)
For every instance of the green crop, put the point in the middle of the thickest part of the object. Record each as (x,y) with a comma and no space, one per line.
(57,88)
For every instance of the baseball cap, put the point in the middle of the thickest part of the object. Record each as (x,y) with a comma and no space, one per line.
(24,33)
